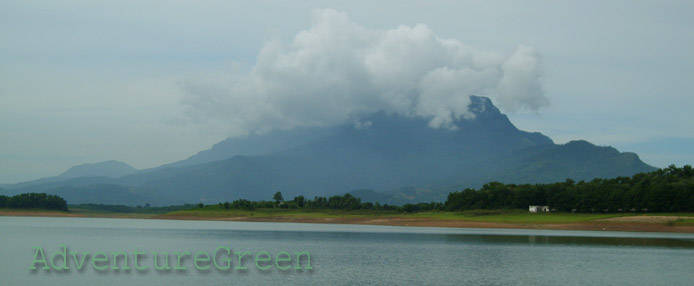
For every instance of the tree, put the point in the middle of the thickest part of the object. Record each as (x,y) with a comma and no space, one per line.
(226,205)
(278,197)
(299,200)
(3,201)
(35,200)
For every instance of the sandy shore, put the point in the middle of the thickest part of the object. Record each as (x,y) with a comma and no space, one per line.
(629,223)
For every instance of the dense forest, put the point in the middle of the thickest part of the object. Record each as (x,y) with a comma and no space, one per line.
(34,201)
(665,190)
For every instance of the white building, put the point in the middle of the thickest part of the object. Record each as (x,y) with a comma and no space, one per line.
(538,209)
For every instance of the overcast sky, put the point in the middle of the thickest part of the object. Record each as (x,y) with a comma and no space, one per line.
(152,82)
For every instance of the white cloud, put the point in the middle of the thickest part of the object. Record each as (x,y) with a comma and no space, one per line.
(520,86)
(337,71)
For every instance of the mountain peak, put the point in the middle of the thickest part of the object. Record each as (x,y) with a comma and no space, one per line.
(484,110)
(482,104)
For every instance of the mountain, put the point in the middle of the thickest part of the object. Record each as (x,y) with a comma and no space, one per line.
(254,145)
(111,169)
(578,160)
(99,172)
(401,159)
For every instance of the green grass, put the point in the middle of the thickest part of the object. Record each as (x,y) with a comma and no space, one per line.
(523,216)
(100,211)
(500,216)
(104,213)
(78,211)
(93,210)
(663,214)
(110,209)
(30,210)
(682,222)
(514,216)
(215,211)
(492,216)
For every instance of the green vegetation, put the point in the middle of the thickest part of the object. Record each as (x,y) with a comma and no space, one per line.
(220,212)
(513,216)
(121,209)
(34,201)
(519,217)
(346,202)
(682,222)
(665,190)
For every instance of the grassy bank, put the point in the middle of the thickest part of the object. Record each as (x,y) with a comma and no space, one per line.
(682,222)
(94,210)
(215,212)
(35,212)
(515,216)
(650,222)
(31,210)
(500,216)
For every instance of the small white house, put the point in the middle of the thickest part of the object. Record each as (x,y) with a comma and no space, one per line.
(538,209)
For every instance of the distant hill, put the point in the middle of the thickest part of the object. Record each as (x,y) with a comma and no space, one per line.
(93,172)
(111,169)
(400,158)
(579,160)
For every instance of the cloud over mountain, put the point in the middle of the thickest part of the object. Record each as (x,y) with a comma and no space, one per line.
(337,71)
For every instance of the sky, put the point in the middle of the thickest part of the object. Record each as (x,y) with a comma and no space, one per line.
(152,82)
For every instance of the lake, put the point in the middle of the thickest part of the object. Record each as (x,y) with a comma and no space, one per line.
(338,254)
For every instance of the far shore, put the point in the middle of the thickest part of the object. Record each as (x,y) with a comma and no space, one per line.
(632,223)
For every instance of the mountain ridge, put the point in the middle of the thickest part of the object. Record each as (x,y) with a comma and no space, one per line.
(399,156)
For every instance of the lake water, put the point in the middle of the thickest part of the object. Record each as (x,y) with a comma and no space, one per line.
(340,254)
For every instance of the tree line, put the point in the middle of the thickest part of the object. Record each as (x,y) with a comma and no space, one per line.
(34,201)
(147,208)
(666,190)
(337,202)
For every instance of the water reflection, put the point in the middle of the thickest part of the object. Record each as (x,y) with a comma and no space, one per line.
(573,240)
(355,254)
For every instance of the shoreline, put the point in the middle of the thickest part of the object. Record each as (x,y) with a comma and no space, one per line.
(627,223)
(599,225)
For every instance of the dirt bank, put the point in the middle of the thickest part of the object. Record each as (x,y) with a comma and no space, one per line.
(629,223)
(600,225)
